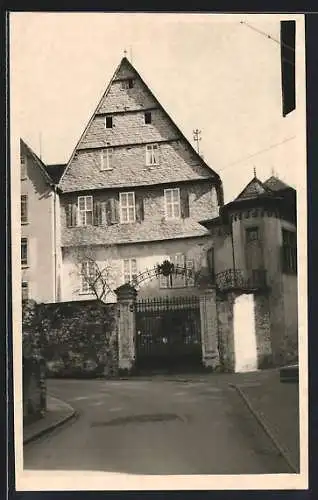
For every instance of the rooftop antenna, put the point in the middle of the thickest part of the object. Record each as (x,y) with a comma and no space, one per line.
(254,170)
(197,138)
(125,53)
(273,172)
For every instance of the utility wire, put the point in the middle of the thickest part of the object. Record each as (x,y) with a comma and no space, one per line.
(257,153)
(268,36)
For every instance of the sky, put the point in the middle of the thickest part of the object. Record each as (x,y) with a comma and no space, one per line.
(209,72)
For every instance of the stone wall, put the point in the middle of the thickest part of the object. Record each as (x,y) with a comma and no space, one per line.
(79,338)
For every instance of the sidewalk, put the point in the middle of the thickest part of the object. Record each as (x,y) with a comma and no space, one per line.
(276,406)
(57,413)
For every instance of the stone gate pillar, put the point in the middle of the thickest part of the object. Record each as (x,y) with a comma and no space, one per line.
(209,328)
(126,297)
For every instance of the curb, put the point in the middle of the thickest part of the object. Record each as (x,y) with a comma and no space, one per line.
(265,428)
(73,414)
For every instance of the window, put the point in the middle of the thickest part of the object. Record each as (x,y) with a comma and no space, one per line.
(172,203)
(152,154)
(23,166)
(24,209)
(108,121)
(85,210)
(289,252)
(127,207)
(127,84)
(148,117)
(130,270)
(25,290)
(24,251)
(179,279)
(106,159)
(252,234)
(88,273)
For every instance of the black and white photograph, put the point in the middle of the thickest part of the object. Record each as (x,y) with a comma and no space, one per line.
(159,258)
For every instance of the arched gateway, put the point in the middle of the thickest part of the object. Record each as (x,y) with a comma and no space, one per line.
(171,332)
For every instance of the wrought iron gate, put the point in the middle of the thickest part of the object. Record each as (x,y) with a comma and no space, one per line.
(168,332)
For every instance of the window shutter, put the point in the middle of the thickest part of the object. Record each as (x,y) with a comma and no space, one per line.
(104,213)
(139,208)
(112,211)
(97,213)
(69,214)
(184,201)
(74,215)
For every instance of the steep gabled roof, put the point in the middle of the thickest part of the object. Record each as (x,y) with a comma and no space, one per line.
(69,180)
(275,184)
(254,189)
(37,160)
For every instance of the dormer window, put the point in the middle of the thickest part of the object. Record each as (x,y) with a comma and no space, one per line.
(108,121)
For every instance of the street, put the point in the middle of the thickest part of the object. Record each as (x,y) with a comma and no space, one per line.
(159,426)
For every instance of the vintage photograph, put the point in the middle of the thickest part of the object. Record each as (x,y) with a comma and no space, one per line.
(159,250)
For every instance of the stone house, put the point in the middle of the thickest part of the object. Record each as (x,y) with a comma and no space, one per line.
(254,264)
(39,227)
(132,195)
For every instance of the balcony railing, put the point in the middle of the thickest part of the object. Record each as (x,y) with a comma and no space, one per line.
(231,279)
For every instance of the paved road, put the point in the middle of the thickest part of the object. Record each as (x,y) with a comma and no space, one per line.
(157,426)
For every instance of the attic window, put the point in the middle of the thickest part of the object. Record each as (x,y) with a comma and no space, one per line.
(127,84)
(108,121)
(148,117)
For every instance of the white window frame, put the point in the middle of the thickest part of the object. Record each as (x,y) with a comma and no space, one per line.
(83,221)
(179,281)
(152,155)
(24,202)
(172,203)
(131,272)
(25,262)
(124,205)
(106,156)
(190,281)
(23,165)
(85,288)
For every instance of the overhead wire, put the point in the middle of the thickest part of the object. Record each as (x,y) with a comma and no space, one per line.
(267,35)
(257,153)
